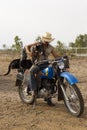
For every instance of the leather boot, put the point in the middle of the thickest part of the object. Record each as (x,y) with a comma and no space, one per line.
(49,102)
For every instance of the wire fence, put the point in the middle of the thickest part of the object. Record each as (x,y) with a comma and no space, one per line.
(82,51)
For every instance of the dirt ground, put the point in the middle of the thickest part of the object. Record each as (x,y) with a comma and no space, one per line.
(15,115)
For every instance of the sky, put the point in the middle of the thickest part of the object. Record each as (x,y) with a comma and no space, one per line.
(64,19)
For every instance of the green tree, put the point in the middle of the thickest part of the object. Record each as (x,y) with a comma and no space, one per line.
(4,46)
(18,43)
(80,41)
(60,47)
(71,44)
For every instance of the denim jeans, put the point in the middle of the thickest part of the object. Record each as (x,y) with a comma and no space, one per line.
(35,81)
(32,78)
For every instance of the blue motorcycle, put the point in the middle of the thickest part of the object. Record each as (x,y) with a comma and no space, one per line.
(56,82)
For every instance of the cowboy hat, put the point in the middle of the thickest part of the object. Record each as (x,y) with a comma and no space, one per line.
(47,37)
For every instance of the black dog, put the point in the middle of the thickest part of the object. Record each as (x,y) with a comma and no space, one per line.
(16,63)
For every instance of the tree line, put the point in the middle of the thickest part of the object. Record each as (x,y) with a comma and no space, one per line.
(16,45)
(80,41)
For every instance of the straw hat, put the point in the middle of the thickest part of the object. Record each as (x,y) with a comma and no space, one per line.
(47,37)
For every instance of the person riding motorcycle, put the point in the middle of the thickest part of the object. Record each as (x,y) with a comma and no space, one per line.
(39,52)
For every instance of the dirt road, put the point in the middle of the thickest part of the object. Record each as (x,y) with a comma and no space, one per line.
(15,115)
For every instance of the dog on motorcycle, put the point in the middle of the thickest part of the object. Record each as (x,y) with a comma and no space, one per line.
(21,62)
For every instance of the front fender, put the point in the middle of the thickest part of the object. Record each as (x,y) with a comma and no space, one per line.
(68,76)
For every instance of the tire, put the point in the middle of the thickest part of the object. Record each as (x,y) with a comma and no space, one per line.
(75,103)
(26,97)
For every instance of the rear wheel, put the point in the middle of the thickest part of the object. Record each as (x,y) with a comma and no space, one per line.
(25,94)
(74,101)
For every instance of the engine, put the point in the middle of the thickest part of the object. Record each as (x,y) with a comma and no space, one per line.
(47,87)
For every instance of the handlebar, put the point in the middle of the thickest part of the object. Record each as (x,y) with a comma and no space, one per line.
(49,61)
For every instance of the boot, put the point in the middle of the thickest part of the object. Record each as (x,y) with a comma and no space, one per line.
(49,102)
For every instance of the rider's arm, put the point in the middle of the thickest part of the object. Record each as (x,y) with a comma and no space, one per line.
(54,53)
(28,48)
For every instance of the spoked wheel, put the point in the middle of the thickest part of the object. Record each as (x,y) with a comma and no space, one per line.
(25,94)
(74,101)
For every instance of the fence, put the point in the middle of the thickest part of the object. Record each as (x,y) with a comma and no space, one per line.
(82,51)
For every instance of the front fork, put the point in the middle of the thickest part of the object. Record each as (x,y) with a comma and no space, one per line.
(64,92)
(61,90)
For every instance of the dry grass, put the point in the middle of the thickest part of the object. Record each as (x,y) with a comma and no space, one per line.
(14,115)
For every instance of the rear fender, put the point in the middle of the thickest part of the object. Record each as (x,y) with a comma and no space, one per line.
(69,77)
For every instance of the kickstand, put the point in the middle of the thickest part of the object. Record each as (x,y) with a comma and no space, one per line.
(34,103)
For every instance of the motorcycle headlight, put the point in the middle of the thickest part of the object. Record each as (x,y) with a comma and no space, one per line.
(61,65)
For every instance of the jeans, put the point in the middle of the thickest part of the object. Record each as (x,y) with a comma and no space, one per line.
(32,77)
(35,80)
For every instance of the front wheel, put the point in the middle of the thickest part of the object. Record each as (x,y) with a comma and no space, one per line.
(73,99)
